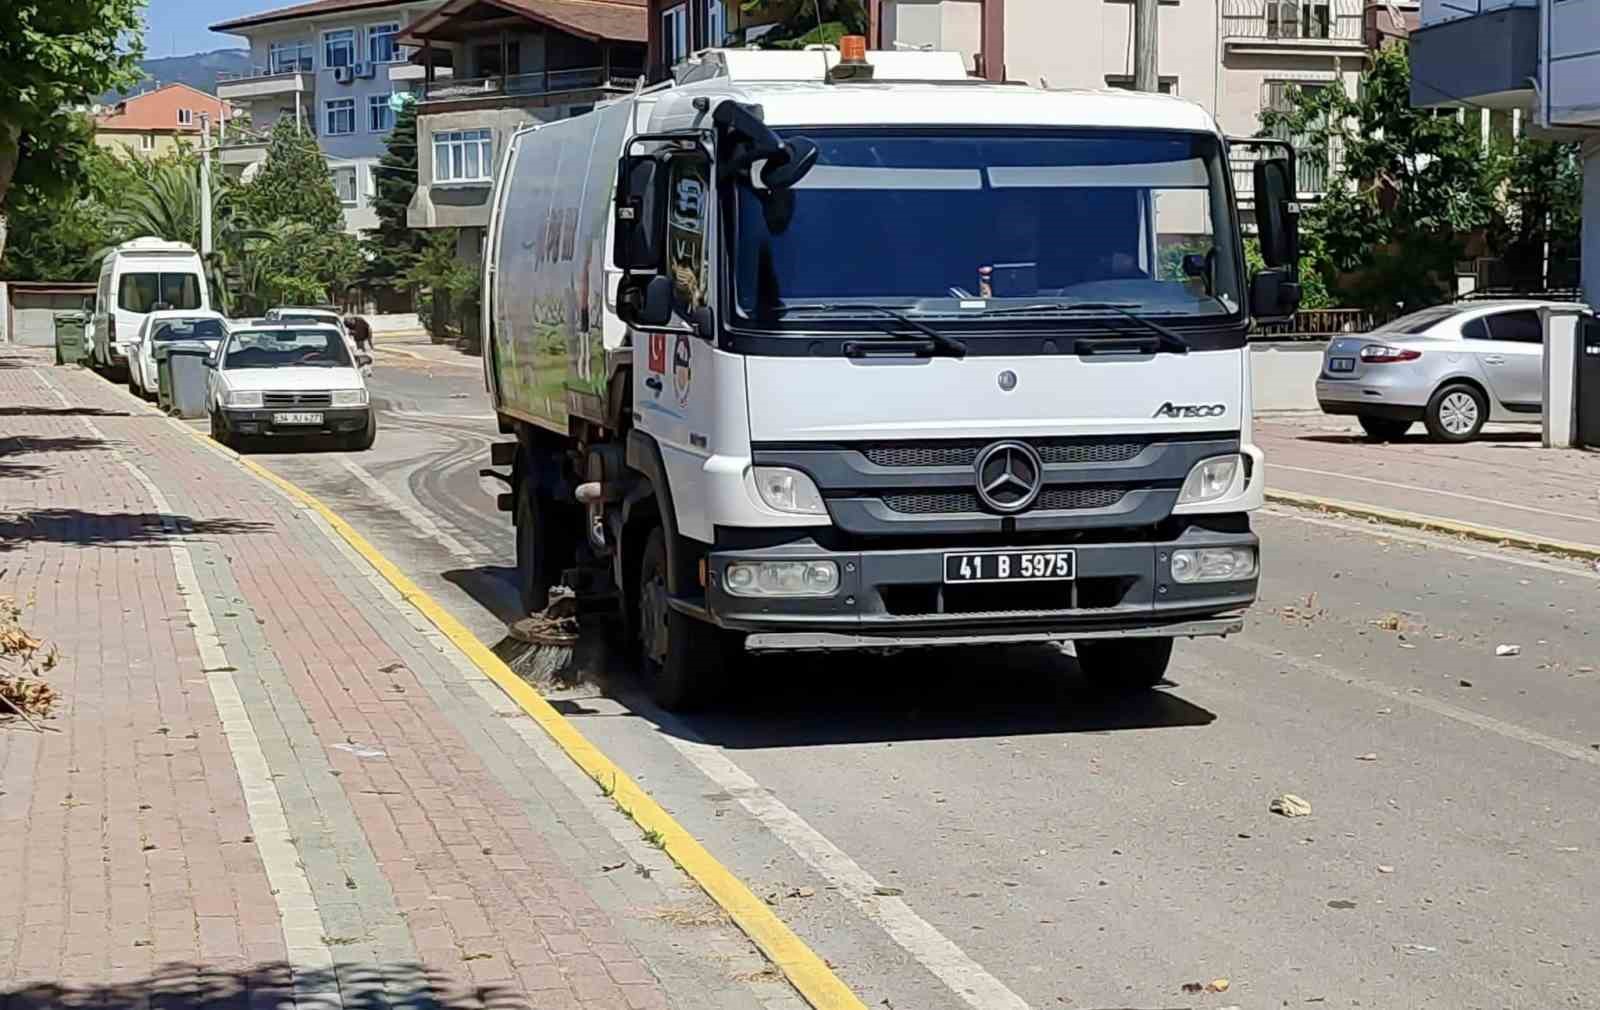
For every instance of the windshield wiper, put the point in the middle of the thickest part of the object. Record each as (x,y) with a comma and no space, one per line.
(939,341)
(1169,338)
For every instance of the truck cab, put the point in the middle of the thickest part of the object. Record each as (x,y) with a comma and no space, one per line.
(866,354)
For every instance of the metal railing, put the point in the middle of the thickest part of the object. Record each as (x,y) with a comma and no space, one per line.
(542,83)
(1293,20)
(1320,324)
(294,66)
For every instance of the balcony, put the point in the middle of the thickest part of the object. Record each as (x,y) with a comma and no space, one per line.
(288,78)
(1436,12)
(545,88)
(1292,25)
(1486,59)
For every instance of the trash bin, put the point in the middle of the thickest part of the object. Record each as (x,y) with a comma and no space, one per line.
(1588,391)
(181,368)
(69,338)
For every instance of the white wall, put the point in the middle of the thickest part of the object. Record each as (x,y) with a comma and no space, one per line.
(1076,43)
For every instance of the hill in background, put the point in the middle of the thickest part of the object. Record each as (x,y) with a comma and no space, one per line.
(198,70)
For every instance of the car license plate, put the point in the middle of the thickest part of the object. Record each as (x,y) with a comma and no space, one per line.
(1341,364)
(297,418)
(1011,566)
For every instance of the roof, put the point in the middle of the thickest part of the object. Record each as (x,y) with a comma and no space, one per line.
(301,10)
(616,20)
(157,110)
(807,103)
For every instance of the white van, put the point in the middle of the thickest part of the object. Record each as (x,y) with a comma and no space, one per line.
(139,277)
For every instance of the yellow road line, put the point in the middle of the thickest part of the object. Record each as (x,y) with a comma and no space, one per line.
(1414,520)
(808,972)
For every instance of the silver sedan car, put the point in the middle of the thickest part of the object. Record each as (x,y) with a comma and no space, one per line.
(1452,367)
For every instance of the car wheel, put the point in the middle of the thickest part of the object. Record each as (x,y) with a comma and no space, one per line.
(362,440)
(220,432)
(1124,665)
(1383,429)
(1456,413)
(133,384)
(685,660)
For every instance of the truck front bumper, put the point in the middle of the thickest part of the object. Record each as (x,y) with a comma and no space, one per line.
(892,598)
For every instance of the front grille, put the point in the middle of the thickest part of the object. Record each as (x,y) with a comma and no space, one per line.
(297,399)
(1076,450)
(924,599)
(1054,499)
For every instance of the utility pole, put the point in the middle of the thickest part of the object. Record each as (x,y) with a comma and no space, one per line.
(1144,46)
(205,184)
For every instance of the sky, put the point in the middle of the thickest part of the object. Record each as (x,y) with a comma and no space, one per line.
(178,27)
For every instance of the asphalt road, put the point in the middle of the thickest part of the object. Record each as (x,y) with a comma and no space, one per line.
(977,830)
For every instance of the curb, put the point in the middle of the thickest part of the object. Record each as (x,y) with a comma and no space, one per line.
(1436,524)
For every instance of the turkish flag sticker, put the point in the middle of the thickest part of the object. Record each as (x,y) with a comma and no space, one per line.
(658,352)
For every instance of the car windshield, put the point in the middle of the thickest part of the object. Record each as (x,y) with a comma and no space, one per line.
(937,220)
(142,292)
(318,348)
(188,329)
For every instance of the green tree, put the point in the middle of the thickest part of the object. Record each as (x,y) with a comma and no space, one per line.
(1410,186)
(1541,215)
(393,247)
(453,286)
(55,236)
(808,22)
(56,55)
(293,183)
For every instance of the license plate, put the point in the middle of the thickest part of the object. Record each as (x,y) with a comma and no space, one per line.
(1011,566)
(1342,364)
(297,418)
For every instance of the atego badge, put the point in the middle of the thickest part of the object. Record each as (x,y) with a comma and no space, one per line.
(1170,409)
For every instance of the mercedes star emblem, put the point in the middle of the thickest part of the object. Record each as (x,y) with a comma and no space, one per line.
(1010,475)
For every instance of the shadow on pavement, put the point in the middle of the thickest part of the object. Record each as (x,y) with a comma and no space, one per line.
(492,587)
(26,445)
(269,985)
(26,410)
(1422,438)
(110,529)
(812,700)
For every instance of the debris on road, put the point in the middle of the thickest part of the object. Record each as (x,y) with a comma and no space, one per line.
(1369,756)
(1342,904)
(1385,869)
(1215,985)
(360,750)
(1290,805)
(1415,948)
(887,892)
(1464,683)
(1508,650)
(802,892)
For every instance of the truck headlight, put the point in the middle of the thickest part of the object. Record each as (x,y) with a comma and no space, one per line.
(242,398)
(1213,564)
(786,490)
(1209,480)
(781,578)
(349,397)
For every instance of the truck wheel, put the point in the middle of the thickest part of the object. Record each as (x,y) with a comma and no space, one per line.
(1124,664)
(533,575)
(1383,429)
(1456,413)
(684,659)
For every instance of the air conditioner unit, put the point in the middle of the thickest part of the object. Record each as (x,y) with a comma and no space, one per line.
(365,70)
(343,75)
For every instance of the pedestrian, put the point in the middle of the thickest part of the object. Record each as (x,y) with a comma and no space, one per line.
(361,331)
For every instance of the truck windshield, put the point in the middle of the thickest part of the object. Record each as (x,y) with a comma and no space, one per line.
(934,221)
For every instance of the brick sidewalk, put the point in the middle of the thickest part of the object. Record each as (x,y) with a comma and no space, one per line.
(268,782)
(1505,480)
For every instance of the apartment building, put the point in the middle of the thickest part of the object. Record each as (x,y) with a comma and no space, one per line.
(335,67)
(1537,61)
(158,122)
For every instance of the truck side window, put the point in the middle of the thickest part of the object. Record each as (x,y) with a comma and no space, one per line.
(688,201)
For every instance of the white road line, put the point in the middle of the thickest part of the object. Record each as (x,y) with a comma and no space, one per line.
(915,935)
(424,525)
(1437,541)
(1449,710)
(1431,492)
(303,931)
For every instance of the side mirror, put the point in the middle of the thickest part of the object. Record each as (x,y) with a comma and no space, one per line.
(1274,296)
(1276,215)
(364,360)
(799,158)
(645,301)
(640,240)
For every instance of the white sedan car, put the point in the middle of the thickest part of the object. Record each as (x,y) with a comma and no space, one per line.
(272,379)
(165,327)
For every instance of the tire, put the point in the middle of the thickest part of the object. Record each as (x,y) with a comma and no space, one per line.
(685,660)
(362,440)
(1124,665)
(133,385)
(545,546)
(220,433)
(1383,429)
(1456,413)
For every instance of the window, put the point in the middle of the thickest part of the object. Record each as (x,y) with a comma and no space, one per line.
(341,117)
(142,292)
(1295,19)
(687,263)
(189,329)
(578,110)
(338,48)
(675,35)
(489,64)
(380,43)
(1520,327)
(185,117)
(320,348)
(1312,171)
(147,142)
(715,30)
(1124,82)
(344,183)
(463,156)
(380,113)
(1475,329)
(289,57)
